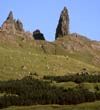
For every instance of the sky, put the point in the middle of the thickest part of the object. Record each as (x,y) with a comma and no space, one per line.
(44,15)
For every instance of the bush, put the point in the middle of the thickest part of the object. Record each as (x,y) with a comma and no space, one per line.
(29,91)
(77,78)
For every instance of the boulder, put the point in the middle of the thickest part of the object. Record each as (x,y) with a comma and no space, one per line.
(38,35)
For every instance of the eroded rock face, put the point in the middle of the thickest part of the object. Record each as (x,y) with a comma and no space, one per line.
(11,25)
(19,25)
(8,25)
(38,35)
(63,24)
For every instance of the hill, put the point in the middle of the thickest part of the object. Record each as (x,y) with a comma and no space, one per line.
(29,54)
(23,53)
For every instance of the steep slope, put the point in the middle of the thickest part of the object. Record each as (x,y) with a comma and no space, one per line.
(81,48)
(77,46)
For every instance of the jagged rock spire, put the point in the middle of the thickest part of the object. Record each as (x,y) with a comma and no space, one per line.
(8,24)
(63,24)
(11,25)
(10,16)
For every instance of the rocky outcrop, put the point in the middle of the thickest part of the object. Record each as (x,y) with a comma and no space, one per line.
(19,25)
(11,25)
(38,35)
(8,25)
(63,25)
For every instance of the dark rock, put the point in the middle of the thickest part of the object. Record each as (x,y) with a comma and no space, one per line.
(63,25)
(38,35)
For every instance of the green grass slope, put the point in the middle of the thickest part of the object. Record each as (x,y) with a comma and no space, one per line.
(20,56)
(81,48)
(17,62)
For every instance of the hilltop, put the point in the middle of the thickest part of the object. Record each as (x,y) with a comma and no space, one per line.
(22,53)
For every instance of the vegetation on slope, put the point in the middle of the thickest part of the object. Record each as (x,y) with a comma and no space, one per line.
(30,91)
(77,78)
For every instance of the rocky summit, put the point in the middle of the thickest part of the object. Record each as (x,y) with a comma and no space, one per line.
(11,25)
(63,24)
(10,16)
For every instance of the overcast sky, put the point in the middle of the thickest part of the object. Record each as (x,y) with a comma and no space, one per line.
(44,15)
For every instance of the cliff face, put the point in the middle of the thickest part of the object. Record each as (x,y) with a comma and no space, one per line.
(63,24)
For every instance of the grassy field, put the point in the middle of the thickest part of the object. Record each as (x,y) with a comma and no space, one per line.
(65,84)
(18,62)
(90,86)
(20,56)
(84,106)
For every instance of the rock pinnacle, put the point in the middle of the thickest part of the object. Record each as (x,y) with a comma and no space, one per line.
(63,24)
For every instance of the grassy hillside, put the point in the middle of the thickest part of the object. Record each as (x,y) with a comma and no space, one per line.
(84,106)
(81,48)
(17,62)
(20,56)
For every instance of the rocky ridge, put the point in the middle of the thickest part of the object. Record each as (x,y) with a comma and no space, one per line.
(65,43)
